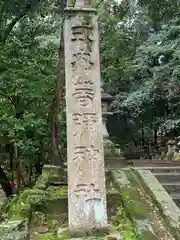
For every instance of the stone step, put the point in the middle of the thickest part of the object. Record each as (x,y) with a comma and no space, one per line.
(151,163)
(167,177)
(171,187)
(176,198)
(167,169)
(171,170)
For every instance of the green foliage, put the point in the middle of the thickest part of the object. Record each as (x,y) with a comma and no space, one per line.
(47,236)
(20,206)
(157,79)
(148,99)
(115,47)
(26,76)
(28,73)
(123,224)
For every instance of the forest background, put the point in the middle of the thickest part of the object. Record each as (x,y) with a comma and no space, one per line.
(140,63)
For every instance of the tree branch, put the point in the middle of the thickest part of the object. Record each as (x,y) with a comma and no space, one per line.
(99,3)
(29,5)
(4,94)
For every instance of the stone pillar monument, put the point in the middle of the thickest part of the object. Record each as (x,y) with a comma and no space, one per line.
(86,174)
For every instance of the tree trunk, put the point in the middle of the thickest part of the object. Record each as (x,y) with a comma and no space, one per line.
(11,168)
(6,186)
(22,179)
(17,163)
(10,150)
(58,98)
(142,138)
(29,6)
(38,167)
(155,138)
(40,160)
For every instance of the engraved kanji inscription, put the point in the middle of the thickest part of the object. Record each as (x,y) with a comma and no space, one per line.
(85,157)
(92,207)
(88,191)
(82,40)
(93,153)
(84,95)
(79,158)
(81,190)
(92,190)
(85,154)
(82,61)
(82,33)
(79,154)
(86,120)
(83,80)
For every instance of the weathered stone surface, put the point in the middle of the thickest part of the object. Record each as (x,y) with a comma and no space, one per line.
(133,205)
(79,3)
(114,235)
(51,175)
(83,3)
(165,203)
(110,149)
(140,206)
(86,175)
(13,230)
(63,233)
(169,177)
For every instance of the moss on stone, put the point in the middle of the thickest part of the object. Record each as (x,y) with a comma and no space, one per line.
(13,230)
(39,199)
(57,191)
(70,3)
(63,234)
(42,219)
(47,236)
(167,208)
(131,197)
(110,150)
(42,182)
(121,223)
(51,175)
(147,235)
(131,200)
(20,207)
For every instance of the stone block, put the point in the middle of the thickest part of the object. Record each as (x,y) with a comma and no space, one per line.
(14,230)
(51,175)
(135,206)
(168,208)
(86,174)
(131,201)
(63,234)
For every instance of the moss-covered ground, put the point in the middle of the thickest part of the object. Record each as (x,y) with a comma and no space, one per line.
(46,210)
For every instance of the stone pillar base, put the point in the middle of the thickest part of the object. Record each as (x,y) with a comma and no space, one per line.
(104,234)
(51,175)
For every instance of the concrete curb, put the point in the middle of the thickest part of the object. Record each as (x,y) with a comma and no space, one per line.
(133,206)
(168,208)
